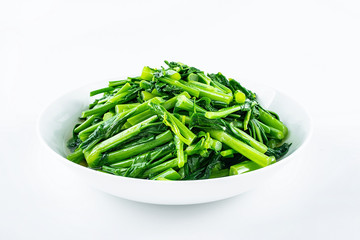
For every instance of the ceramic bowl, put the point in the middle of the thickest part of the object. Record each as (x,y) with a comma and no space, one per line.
(58,118)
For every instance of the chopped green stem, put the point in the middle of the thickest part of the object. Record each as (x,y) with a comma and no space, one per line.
(210,93)
(252,142)
(220,173)
(228,153)
(115,171)
(189,136)
(85,124)
(258,132)
(140,117)
(123,95)
(252,130)
(182,85)
(108,128)
(195,148)
(145,85)
(246,120)
(142,112)
(77,156)
(154,154)
(222,87)
(243,167)
(188,105)
(265,127)
(238,124)
(192,77)
(160,168)
(275,133)
(123,89)
(108,115)
(145,105)
(125,153)
(101,90)
(175,125)
(146,95)
(206,142)
(206,87)
(271,121)
(163,179)
(101,109)
(234,115)
(169,174)
(122,107)
(169,104)
(173,74)
(180,151)
(94,156)
(118,83)
(183,118)
(223,112)
(242,148)
(215,144)
(147,73)
(156,92)
(205,78)
(118,97)
(237,86)
(181,172)
(239,96)
(84,134)
(163,159)
(210,142)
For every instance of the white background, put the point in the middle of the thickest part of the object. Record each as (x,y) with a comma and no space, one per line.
(309,49)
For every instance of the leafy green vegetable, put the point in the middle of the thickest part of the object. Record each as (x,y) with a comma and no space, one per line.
(178,128)
(278,152)
(177,123)
(155,154)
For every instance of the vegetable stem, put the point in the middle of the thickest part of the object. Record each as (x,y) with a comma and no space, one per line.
(94,156)
(243,167)
(269,120)
(180,151)
(242,148)
(125,153)
(169,174)
(154,154)
(161,167)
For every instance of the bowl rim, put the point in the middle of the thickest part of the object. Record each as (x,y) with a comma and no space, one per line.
(283,161)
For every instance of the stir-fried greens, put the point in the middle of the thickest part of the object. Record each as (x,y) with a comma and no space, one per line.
(177,123)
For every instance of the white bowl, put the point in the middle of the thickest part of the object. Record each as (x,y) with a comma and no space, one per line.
(58,118)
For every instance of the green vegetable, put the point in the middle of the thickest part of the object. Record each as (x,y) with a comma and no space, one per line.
(270,120)
(239,96)
(242,148)
(219,173)
(154,154)
(168,174)
(93,156)
(180,151)
(222,113)
(243,167)
(161,167)
(177,123)
(125,153)
(123,107)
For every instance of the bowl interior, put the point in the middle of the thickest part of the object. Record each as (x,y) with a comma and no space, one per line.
(57,120)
